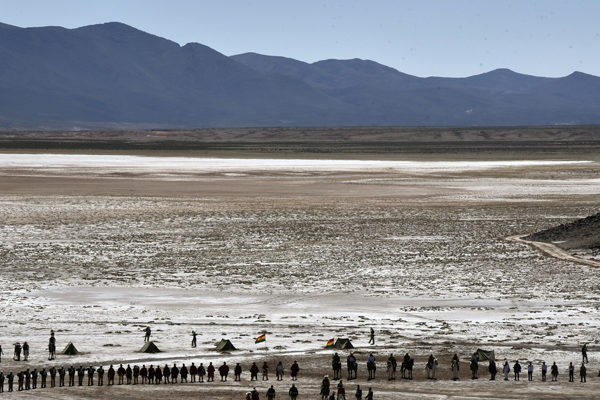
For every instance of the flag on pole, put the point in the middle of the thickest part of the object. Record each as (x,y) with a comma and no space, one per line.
(330,343)
(261,338)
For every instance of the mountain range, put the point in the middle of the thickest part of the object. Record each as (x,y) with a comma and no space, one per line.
(115,76)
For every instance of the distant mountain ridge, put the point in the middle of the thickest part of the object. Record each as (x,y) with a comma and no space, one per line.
(113,75)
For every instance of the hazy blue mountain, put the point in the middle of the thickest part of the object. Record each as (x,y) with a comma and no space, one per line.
(113,75)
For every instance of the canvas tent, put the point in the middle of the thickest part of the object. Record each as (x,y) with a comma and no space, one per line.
(225,345)
(343,344)
(486,355)
(70,350)
(149,347)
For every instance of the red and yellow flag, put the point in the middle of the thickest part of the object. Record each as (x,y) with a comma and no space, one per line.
(330,343)
(261,338)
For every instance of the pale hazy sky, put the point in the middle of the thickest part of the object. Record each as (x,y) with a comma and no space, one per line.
(419,37)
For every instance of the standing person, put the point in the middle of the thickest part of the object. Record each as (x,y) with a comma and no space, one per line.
(34,378)
(91,370)
(136,374)
(1,382)
(211,373)
(128,374)
(148,332)
(43,376)
(455,366)
(158,375)
(80,374)
(201,372)
(111,376)
(237,371)
(193,372)
(571,372)
(492,369)
(100,376)
(166,373)
(144,374)
(265,371)
(293,392)
(254,372)
(279,371)
(121,374)
(372,337)
(294,370)
(224,371)
(358,393)
(61,376)
(20,380)
(369,394)
(151,374)
(474,365)
(174,374)
(530,371)
(544,371)
(325,388)
(371,366)
(271,393)
(51,346)
(517,370)
(506,370)
(52,376)
(554,372)
(584,353)
(27,379)
(183,372)
(341,391)
(1,353)
(11,378)
(194,338)
(71,376)
(336,363)
(582,372)
(17,356)
(391,366)
(254,394)
(25,351)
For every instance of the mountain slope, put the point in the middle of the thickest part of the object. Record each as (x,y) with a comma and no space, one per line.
(113,75)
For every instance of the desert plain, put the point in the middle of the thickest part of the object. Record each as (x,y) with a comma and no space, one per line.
(304,241)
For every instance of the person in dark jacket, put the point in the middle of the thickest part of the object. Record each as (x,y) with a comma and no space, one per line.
(25,351)
(294,371)
(265,371)
(194,338)
(71,373)
(158,375)
(151,373)
(369,394)
(517,370)
(121,374)
(554,372)
(91,370)
(358,393)
(136,374)
(1,382)
(193,372)
(34,378)
(111,376)
(183,372)
(271,393)
(492,369)
(128,374)
(166,374)
(583,353)
(80,375)
(174,373)
(201,372)
(10,378)
(223,372)
(254,372)
(100,376)
(43,376)
(144,374)
(582,372)
(27,379)
(61,376)
(336,364)
(20,381)
(237,372)
(571,372)
(52,376)
(293,392)
(211,373)
(254,394)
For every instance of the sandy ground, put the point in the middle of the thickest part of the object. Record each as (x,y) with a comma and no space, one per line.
(97,248)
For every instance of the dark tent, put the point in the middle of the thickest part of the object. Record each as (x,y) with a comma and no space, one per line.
(70,350)
(149,347)
(486,355)
(225,345)
(343,344)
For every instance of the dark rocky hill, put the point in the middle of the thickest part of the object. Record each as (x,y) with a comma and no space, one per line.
(581,234)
